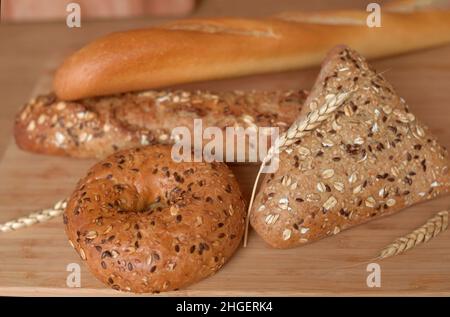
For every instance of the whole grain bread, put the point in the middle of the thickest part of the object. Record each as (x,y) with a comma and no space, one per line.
(355,154)
(144,223)
(96,127)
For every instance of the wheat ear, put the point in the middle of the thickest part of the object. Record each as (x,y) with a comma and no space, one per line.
(297,130)
(430,229)
(35,217)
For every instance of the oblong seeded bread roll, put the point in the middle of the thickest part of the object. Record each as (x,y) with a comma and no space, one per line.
(202,49)
(355,154)
(97,127)
(144,223)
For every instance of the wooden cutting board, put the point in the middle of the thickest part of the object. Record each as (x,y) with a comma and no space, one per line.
(33,261)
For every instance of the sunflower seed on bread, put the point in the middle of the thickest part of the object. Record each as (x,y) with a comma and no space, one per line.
(96,127)
(382,158)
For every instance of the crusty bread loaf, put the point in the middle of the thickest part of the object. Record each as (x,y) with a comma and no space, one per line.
(355,154)
(97,127)
(201,49)
(144,223)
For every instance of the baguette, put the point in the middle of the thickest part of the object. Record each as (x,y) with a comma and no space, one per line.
(203,49)
(356,153)
(97,127)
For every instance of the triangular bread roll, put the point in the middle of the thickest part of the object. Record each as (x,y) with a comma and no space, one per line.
(355,154)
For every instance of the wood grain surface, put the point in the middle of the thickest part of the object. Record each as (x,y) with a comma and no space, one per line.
(33,261)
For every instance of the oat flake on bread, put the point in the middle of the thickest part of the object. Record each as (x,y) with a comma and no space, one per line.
(356,153)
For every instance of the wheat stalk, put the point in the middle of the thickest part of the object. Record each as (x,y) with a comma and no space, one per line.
(298,129)
(430,229)
(35,217)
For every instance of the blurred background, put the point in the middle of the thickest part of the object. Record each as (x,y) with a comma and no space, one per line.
(23,10)
(50,10)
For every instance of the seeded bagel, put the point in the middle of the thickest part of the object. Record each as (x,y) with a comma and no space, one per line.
(144,223)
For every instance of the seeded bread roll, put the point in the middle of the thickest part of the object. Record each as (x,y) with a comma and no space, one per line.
(97,127)
(202,49)
(355,154)
(146,224)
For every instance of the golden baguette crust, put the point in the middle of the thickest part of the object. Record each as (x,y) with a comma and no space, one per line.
(97,127)
(202,49)
(144,223)
(369,157)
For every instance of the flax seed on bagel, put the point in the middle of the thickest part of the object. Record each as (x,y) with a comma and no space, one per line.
(144,223)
